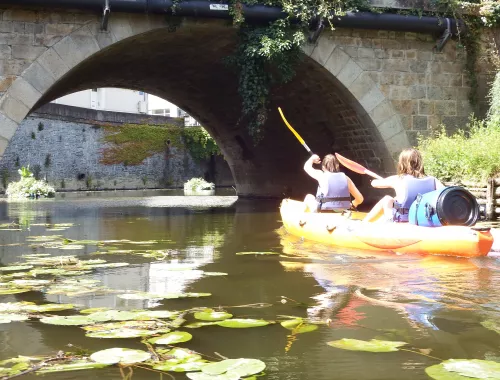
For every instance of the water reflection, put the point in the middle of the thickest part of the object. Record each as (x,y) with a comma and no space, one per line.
(433,303)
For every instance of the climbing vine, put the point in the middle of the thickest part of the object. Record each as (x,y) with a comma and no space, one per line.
(131,144)
(268,55)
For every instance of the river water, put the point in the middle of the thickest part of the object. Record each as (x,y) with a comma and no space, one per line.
(435,304)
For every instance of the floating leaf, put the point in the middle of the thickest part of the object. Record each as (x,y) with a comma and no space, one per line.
(5,291)
(212,315)
(156,314)
(120,355)
(196,325)
(72,320)
(172,338)
(106,265)
(94,310)
(204,376)
(242,323)
(180,367)
(112,315)
(16,268)
(49,307)
(241,367)
(120,333)
(180,355)
(373,345)
(298,326)
(462,369)
(7,318)
(257,253)
(74,366)
(31,282)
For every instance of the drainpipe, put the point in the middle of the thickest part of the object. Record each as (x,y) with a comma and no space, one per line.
(254,14)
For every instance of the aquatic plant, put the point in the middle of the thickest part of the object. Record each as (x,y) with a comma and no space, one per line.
(29,187)
(198,184)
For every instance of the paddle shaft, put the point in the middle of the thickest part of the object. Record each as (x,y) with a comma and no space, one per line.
(301,140)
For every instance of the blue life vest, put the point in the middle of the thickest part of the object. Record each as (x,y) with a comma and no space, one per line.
(413,187)
(337,196)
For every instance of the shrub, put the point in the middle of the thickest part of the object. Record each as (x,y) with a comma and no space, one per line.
(197,184)
(468,155)
(29,187)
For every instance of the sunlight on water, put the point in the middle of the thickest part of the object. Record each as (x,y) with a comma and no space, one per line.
(435,304)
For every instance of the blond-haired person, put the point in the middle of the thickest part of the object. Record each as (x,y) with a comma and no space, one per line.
(334,187)
(408,183)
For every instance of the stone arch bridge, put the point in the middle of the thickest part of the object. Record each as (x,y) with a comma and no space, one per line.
(364,93)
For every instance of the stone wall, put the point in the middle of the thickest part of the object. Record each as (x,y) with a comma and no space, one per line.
(66,143)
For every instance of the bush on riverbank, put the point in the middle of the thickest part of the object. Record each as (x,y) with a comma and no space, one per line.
(471,154)
(198,184)
(29,187)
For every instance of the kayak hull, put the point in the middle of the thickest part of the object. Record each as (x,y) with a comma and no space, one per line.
(350,232)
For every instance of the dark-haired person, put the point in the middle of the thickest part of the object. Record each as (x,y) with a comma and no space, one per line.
(334,187)
(408,183)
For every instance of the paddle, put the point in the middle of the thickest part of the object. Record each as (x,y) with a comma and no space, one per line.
(301,140)
(355,167)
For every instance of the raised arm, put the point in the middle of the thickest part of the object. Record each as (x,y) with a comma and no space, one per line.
(308,167)
(358,197)
(384,183)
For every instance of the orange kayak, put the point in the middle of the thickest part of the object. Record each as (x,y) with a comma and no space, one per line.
(350,232)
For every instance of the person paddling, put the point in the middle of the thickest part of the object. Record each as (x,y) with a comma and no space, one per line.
(408,183)
(334,187)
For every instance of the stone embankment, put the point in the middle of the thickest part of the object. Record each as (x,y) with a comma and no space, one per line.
(64,145)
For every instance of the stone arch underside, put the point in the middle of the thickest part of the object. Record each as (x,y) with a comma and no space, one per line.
(331,103)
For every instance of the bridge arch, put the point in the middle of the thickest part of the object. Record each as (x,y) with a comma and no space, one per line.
(333,102)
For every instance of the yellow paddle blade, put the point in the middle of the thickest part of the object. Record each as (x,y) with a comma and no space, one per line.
(301,140)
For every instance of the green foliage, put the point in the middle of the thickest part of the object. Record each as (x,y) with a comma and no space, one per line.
(88,181)
(199,143)
(470,155)
(131,144)
(197,184)
(28,186)
(40,126)
(267,55)
(33,136)
(494,95)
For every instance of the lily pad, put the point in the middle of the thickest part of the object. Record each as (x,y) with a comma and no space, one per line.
(212,315)
(204,376)
(30,282)
(49,307)
(172,338)
(112,315)
(16,268)
(120,333)
(373,345)
(241,367)
(72,320)
(462,369)
(120,355)
(7,318)
(180,355)
(5,291)
(196,325)
(298,326)
(240,323)
(94,310)
(74,366)
(180,367)
(156,314)
(257,253)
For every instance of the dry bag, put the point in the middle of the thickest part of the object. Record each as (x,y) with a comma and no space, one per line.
(450,206)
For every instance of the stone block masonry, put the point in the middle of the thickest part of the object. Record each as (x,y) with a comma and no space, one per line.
(66,144)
